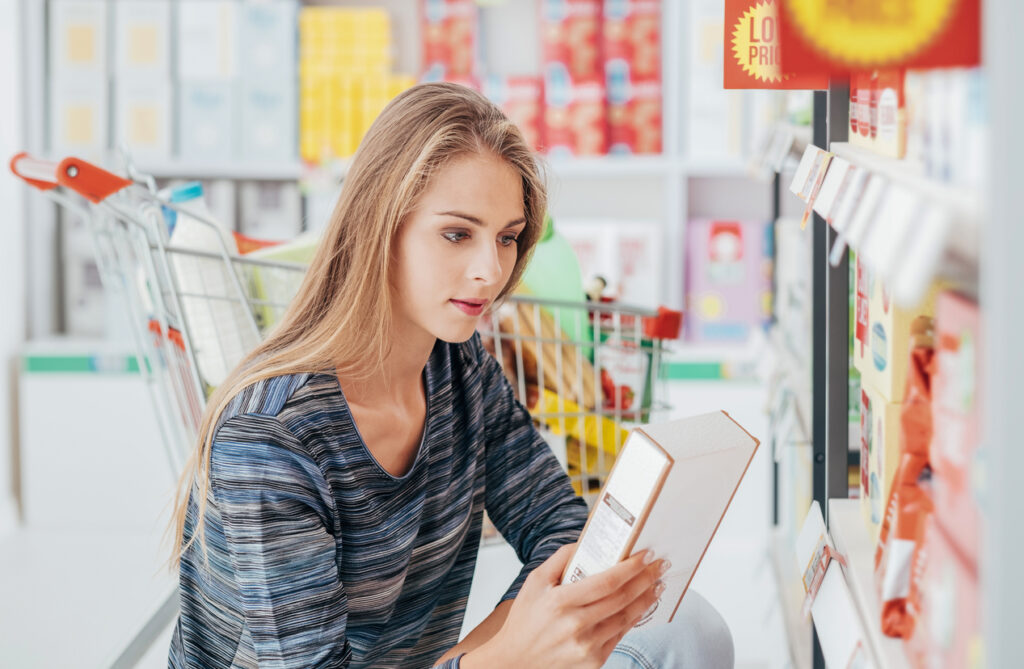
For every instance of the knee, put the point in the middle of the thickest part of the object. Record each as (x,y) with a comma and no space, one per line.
(710,639)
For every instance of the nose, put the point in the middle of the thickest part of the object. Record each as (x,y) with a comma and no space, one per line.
(485,266)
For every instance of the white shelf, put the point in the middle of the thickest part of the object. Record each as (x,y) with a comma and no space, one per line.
(851,539)
(612,166)
(966,204)
(242,171)
(798,628)
(82,598)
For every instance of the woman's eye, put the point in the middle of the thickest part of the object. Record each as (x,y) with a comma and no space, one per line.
(508,240)
(455,237)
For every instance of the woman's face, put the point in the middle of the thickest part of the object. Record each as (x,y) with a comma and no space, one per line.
(457,249)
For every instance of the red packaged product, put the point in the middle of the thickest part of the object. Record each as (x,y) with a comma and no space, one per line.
(574,115)
(571,35)
(632,35)
(449,29)
(634,125)
(522,101)
(901,536)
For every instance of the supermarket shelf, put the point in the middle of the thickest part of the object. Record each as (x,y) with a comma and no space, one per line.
(852,540)
(612,166)
(716,168)
(790,589)
(965,203)
(284,171)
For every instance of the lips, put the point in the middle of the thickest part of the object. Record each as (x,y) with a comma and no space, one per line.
(470,307)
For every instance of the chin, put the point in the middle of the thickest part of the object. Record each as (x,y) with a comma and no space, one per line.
(455,335)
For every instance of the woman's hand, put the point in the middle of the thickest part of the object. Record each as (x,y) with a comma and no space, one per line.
(576,624)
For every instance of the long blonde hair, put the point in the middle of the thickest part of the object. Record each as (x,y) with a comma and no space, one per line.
(341,317)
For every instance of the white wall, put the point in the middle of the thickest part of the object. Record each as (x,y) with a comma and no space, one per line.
(12,255)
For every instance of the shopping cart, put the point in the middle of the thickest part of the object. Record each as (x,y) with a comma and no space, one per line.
(586,371)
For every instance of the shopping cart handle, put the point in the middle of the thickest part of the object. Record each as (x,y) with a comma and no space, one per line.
(91,182)
(39,173)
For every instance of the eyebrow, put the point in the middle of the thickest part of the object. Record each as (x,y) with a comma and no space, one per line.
(477,221)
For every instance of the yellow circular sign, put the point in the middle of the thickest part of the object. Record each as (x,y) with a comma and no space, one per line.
(755,42)
(870,32)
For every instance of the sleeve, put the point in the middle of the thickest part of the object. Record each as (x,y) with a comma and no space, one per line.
(276,511)
(529,497)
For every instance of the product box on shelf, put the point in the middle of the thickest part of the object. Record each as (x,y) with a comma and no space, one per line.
(632,35)
(634,115)
(883,333)
(205,120)
(78,38)
(521,99)
(860,89)
(207,39)
(625,253)
(948,629)
(728,278)
(266,38)
(575,122)
(267,110)
(891,138)
(142,118)
(79,116)
(956,416)
(142,39)
(879,455)
(571,35)
(449,29)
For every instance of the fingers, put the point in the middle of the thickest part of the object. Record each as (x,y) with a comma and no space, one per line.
(612,628)
(598,586)
(550,571)
(628,595)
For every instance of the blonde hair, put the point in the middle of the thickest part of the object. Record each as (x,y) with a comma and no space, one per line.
(340,318)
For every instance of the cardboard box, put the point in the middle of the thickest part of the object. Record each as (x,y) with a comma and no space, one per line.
(268,111)
(632,35)
(207,114)
(78,38)
(267,38)
(625,253)
(860,87)
(634,117)
(891,138)
(668,491)
(948,630)
(521,98)
(571,36)
(956,416)
(142,33)
(574,114)
(728,279)
(143,118)
(79,118)
(879,455)
(449,29)
(881,349)
(207,40)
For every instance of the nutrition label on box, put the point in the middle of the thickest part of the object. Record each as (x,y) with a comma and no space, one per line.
(631,487)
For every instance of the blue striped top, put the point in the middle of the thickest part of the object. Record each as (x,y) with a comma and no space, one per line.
(317,556)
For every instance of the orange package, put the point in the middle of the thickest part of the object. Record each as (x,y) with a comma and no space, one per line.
(899,555)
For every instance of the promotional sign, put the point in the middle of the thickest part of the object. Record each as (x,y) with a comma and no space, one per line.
(821,37)
(753,49)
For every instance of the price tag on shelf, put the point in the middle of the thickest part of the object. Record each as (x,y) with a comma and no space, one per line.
(782,142)
(892,234)
(805,172)
(821,164)
(917,268)
(863,215)
(834,184)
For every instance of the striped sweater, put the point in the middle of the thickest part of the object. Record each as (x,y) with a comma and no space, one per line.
(317,556)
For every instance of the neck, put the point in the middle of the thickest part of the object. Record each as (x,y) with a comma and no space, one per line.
(399,381)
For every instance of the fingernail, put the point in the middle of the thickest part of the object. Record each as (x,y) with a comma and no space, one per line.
(665,566)
(659,588)
(648,556)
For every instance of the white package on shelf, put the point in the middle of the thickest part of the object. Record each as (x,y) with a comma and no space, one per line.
(142,118)
(207,39)
(267,38)
(79,116)
(78,38)
(142,33)
(268,113)
(205,120)
(270,210)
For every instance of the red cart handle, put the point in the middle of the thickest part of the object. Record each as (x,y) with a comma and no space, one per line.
(91,182)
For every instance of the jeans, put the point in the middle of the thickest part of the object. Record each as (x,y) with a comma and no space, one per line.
(697,638)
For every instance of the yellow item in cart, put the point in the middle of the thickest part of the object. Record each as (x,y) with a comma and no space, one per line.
(600,437)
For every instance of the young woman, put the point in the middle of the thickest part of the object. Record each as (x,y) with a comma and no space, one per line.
(331,513)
